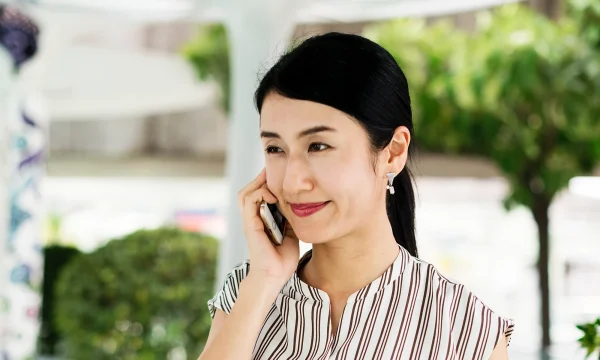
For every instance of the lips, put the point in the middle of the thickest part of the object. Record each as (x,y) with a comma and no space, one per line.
(304,210)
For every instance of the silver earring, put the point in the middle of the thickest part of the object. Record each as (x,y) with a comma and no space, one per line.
(390,186)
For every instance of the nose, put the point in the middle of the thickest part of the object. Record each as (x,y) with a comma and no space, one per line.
(298,176)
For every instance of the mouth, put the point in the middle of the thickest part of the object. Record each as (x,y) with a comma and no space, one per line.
(304,210)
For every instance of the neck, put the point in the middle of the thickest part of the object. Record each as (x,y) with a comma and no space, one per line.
(346,265)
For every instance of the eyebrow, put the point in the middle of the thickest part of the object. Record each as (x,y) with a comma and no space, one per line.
(310,131)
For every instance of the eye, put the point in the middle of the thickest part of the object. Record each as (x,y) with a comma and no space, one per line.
(318,147)
(273,150)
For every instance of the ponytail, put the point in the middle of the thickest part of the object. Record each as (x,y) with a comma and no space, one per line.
(401,211)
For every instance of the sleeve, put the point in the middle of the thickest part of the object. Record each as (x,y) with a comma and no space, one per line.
(226,296)
(477,328)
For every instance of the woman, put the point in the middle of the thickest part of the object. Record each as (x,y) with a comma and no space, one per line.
(336,126)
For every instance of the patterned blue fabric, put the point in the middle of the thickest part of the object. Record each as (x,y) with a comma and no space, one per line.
(21,263)
(18,35)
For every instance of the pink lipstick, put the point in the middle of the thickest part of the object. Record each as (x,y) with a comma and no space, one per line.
(304,210)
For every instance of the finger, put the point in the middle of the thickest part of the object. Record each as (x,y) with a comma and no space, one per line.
(272,199)
(259,195)
(251,206)
(255,184)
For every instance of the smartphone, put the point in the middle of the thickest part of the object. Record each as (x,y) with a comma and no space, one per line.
(274,222)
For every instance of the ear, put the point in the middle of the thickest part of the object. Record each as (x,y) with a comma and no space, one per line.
(397,150)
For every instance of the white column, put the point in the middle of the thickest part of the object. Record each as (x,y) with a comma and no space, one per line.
(21,264)
(258,31)
(6,87)
(22,165)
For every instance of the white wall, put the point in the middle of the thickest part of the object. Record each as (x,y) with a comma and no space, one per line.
(201,133)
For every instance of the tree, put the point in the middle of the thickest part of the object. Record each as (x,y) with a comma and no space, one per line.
(518,92)
(208,52)
(587,15)
(550,8)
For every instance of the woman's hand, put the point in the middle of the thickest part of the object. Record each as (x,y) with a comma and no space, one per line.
(269,263)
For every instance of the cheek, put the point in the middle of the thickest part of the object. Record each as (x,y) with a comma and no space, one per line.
(359,198)
(274,176)
(349,179)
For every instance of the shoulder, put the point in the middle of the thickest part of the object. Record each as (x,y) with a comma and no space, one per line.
(431,279)
(474,328)
(226,296)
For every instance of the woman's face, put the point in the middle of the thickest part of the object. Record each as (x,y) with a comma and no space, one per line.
(320,168)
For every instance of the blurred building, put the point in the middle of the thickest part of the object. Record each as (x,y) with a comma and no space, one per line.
(120,92)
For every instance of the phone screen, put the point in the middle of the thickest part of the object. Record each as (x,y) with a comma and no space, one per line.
(278,216)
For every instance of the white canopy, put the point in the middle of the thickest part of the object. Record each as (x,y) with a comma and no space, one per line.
(306,11)
(113,77)
(93,82)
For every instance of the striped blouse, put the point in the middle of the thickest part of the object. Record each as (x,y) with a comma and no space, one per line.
(410,312)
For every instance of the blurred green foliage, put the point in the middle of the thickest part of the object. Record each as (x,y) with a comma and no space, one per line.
(590,340)
(519,91)
(522,91)
(587,15)
(208,52)
(140,297)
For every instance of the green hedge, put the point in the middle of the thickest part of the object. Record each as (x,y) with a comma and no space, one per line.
(56,257)
(139,297)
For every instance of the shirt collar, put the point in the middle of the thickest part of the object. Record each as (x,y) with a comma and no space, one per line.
(299,290)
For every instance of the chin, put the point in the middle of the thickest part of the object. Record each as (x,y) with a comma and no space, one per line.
(313,236)
(313,241)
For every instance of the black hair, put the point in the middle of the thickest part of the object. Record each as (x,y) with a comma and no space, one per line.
(362,79)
